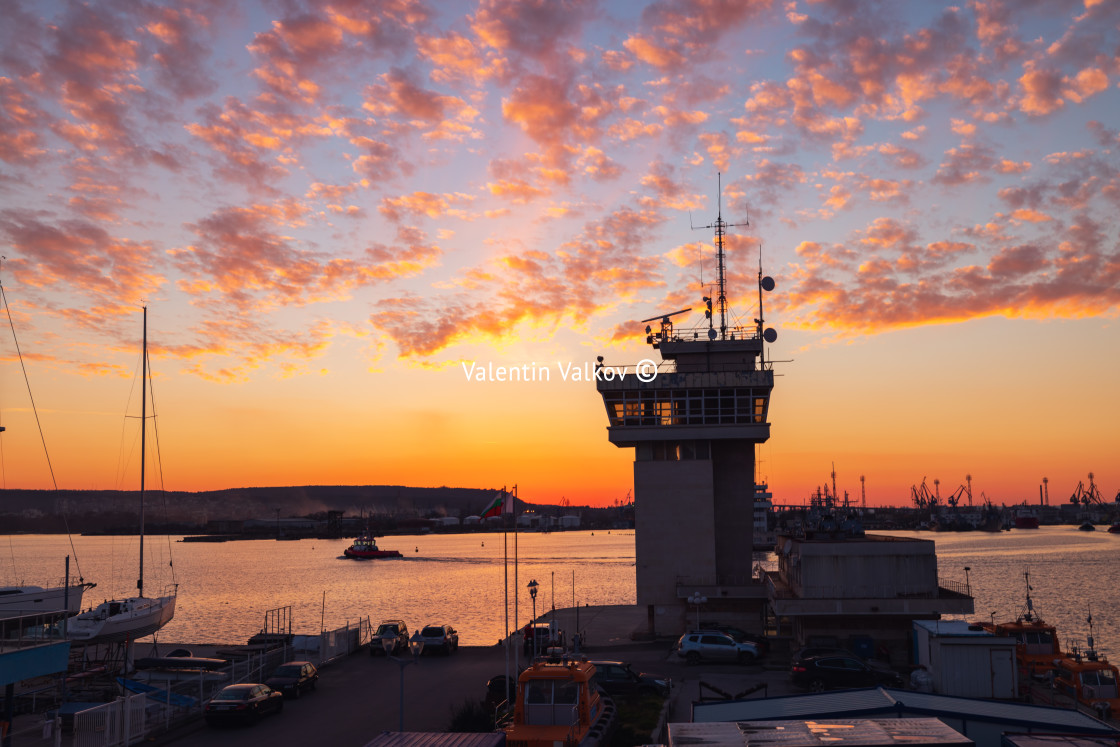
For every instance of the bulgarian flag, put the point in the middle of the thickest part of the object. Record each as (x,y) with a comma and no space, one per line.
(496,508)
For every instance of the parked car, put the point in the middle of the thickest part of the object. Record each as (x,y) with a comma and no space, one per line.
(712,645)
(810,651)
(441,638)
(395,628)
(618,679)
(818,673)
(739,634)
(496,689)
(245,703)
(545,637)
(294,678)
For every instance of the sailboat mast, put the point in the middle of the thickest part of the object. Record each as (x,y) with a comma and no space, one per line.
(143,433)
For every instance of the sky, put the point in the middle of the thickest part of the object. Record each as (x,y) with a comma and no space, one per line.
(334,210)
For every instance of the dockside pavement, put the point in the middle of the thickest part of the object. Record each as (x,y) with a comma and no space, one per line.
(358,696)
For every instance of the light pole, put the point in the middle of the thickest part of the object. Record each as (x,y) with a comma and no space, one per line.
(415,646)
(698,599)
(533,594)
(967,585)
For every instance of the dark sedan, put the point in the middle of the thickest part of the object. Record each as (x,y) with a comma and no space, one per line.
(294,678)
(245,703)
(618,679)
(818,673)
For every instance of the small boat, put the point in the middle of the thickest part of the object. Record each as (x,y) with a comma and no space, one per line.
(365,548)
(1114,528)
(1089,679)
(1087,526)
(1036,642)
(557,704)
(125,620)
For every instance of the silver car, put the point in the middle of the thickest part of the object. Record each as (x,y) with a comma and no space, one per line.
(441,638)
(712,645)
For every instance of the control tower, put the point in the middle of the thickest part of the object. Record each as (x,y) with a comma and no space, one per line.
(693,428)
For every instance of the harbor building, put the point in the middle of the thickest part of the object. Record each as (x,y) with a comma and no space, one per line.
(869,586)
(694,426)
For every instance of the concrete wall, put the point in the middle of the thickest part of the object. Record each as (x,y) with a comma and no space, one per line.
(855,569)
(673,527)
(733,508)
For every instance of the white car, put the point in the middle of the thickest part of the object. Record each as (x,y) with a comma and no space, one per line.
(712,645)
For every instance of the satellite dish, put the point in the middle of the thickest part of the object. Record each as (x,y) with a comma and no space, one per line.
(768,283)
(770,335)
(711,334)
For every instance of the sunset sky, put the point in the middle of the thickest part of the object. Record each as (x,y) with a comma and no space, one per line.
(331,207)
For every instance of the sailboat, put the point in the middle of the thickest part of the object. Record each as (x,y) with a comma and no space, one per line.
(18,602)
(43,603)
(133,617)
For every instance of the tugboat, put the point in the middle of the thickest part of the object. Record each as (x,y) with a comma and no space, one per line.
(1090,679)
(1036,647)
(365,548)
(559,705)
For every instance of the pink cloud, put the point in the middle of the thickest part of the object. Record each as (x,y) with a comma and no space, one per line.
(241,260)
(80,256)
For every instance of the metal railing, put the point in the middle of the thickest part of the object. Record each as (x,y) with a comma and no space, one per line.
(133,717)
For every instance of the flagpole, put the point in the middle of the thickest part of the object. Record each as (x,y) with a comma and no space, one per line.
(505,586)
(516,588)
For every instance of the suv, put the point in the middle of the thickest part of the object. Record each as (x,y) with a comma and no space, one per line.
(545,638)
(739,634)
(442,638)
(712,645)
(394,628)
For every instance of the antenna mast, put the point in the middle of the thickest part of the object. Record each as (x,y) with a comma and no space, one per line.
(721,229)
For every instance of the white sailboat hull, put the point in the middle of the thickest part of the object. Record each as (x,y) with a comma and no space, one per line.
(122,619)
(37,601)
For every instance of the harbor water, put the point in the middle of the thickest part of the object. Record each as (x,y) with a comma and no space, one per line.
(225,588)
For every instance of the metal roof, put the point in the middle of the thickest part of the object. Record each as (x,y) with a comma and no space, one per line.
(872,701)
(911,732)
(438,739)
(953,628)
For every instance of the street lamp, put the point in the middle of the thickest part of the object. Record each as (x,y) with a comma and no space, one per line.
(967,585)
(533,594)
(415,646)
(698,599)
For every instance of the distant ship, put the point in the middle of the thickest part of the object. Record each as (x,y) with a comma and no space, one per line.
(1025,518)
(365,548)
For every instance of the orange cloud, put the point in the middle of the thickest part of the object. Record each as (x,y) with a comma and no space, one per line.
(424,203)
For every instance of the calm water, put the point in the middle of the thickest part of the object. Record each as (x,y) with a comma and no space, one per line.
(225,588)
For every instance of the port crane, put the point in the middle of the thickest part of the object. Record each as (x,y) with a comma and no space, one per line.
(922,496)
(1087,496)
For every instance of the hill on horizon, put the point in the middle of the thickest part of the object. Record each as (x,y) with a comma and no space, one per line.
(36,510)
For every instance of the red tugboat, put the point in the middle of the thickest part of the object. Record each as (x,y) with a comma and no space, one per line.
(365,548)
(1090,679)
(1037,645)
